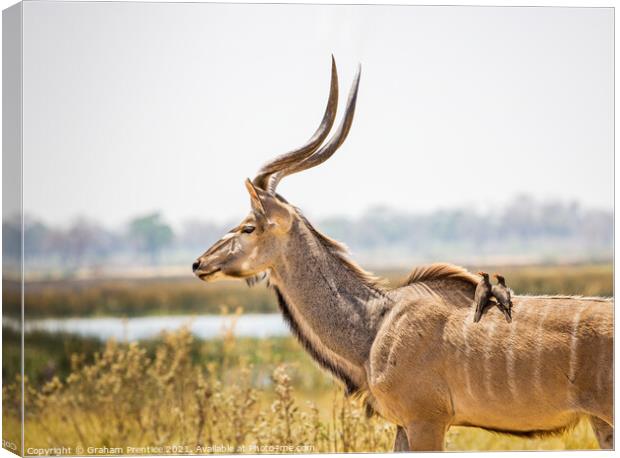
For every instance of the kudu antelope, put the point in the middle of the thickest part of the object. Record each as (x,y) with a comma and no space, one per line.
(413,351)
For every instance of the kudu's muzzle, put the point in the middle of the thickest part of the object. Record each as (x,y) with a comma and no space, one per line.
(210,262)
(204,268)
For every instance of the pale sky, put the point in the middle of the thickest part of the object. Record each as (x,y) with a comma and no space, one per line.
(135,107)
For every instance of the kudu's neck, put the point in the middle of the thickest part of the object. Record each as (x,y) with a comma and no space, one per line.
(335,302)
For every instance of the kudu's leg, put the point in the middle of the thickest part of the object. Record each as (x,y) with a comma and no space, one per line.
(604,433)
(400,442)
(426,436)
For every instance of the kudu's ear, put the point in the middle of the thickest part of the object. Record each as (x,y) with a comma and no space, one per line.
(268,207)
(255,200)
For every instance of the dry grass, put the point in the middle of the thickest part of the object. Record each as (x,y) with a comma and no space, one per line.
(168,402)
(124,397)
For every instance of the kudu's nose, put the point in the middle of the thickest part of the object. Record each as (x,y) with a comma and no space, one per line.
(195,266)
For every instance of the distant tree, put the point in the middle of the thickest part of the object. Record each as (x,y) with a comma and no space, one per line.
(85,242)
(151,234)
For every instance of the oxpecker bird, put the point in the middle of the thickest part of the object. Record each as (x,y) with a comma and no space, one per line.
(503,294)
(482,295)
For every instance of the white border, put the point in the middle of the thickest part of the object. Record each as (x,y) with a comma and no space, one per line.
(566,3)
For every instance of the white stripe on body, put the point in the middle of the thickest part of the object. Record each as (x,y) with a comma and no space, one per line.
(574,342)
(510,361)
(488,367)
(540,346)
(467,359)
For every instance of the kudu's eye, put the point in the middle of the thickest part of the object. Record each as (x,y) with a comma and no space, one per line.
(248,229)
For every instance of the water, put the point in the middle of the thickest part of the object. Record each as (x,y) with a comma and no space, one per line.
(128,329)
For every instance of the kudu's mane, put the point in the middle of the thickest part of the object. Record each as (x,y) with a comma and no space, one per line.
(453,284)
(441,270)
(341,253)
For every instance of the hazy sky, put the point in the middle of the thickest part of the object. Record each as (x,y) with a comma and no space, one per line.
(130,108)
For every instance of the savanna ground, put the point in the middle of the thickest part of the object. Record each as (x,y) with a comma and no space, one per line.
(177,394)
